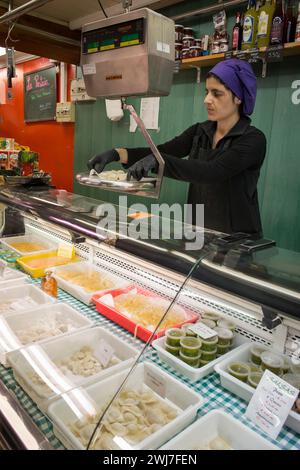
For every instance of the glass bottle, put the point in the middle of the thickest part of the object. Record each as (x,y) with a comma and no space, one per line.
(250,26)
(266,13)
(237,33)
(276,36)
(49,284)
(297,36)
(290,22)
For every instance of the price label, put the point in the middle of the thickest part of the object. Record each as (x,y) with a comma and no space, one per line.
(66,251)
(203,330)
(241,55)
(104,352)
(271,403)
(228,54)
(156,383)
(274,54)
(254,56)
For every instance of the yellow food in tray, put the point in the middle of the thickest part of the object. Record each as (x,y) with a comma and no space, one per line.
(28,247)
(37,264)
(90,281)
(148,311)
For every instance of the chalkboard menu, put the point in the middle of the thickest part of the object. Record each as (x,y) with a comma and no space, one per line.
(40,95)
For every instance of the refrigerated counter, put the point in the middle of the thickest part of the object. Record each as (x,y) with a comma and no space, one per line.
(255,286)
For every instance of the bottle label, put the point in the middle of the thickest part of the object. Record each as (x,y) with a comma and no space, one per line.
(263,24)
(248,29)
(235,38)
(277,30)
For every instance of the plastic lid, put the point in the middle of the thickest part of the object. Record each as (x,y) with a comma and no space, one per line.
(271,359)
(224,332)
(292,379)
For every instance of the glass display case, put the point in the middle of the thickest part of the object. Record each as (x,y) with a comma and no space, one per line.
(138,345)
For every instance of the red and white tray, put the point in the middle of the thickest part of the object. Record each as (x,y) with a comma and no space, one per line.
(109,311)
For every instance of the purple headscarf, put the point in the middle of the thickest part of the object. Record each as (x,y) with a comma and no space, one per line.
(239,77)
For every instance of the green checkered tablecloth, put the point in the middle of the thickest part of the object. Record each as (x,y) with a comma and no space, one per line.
(209,387)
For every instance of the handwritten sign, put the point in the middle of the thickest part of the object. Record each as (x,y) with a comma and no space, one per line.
(66,251)
(271,403)
(40,95)
(274,54)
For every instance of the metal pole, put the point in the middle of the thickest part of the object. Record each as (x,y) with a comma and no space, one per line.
(22,9)
(207,10)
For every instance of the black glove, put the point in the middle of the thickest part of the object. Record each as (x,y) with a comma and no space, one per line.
(141,168)
(98,162)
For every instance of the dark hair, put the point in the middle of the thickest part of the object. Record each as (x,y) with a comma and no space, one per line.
(212,75)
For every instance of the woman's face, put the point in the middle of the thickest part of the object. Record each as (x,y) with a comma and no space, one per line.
(219,101)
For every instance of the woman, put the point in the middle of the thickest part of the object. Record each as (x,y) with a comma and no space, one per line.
(225,153)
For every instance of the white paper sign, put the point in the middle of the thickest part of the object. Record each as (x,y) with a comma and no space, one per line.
(271,403)
(89,69)
(149,112)
(203,330)
(104,352)
(156,383)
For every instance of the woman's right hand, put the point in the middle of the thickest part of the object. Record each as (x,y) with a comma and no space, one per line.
(98,162)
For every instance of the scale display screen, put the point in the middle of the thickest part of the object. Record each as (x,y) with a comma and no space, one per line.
(117,36)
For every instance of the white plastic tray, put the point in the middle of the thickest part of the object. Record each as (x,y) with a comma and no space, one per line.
(79,292)
(7,241)
(177,394)
(218,423)
(62,348)
(244,390)
(193,373)
(11,324)
(10,277)
(19,293)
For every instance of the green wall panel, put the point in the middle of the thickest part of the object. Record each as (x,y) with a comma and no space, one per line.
(275,115)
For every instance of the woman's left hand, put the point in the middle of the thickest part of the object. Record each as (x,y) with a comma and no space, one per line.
(141,168)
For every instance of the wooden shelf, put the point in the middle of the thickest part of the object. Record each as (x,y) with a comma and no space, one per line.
(290,49)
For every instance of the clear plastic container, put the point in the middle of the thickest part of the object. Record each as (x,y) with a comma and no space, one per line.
(223,323)
(209,355)
(28,244)
(173,337)
(272,362)
(256,352)
(190,346)
(225,336)
(240,370)
(192,361)
(209,344)
(254,378)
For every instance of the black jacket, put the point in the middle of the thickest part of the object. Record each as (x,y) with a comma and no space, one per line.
(224,179)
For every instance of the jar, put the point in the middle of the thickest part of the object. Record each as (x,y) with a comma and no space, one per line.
(188,32)
(272,362)
(188,41)
(185,53)
(191,361)
(173,337)
(211,316)
(195,51)
(209,344)
(190,346)
(198,42)
(222,349)
(178,50)
(254,378)
(215,47)
(211,324)
(224,46)
(256,352)
(225,336)
(239,370)
(187,331)
(172,349)
(179,32)
(223,323)
(209,355)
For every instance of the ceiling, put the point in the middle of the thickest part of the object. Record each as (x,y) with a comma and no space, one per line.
(53,30)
